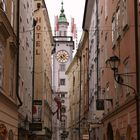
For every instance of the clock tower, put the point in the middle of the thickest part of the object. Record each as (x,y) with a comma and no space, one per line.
(62,57)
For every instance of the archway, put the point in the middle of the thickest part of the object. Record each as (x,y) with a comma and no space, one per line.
(110,132)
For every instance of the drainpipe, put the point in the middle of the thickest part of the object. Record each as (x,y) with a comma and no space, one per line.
(33,71)
(87,58)
(137,66)
(97,48)
(17,43)
(80,59)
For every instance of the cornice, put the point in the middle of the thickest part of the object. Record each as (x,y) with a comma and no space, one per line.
(120,109)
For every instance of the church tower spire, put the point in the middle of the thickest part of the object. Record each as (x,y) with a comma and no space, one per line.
(62,23)
(62,17)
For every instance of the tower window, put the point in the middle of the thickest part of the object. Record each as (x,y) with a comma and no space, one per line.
(38,5)
(65,33)
(62,67)
(62,95)
(60,33)
(62,82)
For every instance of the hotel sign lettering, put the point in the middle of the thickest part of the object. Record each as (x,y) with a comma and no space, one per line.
(38,36)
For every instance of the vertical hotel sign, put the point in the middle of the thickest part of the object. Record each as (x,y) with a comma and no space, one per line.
(38,36)
(37,110)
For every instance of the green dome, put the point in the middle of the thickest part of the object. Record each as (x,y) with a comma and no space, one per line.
(62,17)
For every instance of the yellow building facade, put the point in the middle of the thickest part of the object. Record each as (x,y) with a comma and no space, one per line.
(42,114)
(78,90)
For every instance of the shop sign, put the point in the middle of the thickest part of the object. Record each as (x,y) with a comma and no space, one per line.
(37,110)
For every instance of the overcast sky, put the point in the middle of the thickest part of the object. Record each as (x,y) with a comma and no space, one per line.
(73,8)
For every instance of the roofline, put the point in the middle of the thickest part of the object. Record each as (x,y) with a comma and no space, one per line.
(84,18)
(89,4)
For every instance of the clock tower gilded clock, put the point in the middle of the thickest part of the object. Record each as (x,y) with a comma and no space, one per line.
(62,56)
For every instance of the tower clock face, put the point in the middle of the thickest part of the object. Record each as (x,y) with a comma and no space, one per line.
(62,56)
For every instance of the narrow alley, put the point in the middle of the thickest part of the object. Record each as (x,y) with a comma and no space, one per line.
(57,86)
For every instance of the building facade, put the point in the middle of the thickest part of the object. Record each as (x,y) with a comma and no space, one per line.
(91,24)
(110,34)
(41,126)
(73,74)
(25,66)
(62,57)
(78,91)
(8,62)
(120,88)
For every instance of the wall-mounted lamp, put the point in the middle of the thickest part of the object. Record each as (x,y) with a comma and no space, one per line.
(113,62)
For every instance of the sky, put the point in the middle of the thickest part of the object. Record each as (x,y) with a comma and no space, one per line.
(72,9)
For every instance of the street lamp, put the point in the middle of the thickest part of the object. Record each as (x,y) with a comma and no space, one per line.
(113,62)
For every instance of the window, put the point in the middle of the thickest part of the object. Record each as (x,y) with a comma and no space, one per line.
(3,5)
(113,30)
(27,5)
(12,13)
(107,95)
(65,33)
(60,33)
(106,9)
(62,67)
(118,23)
(62,82)
(38,5)
(124,14)
(63,95)
(63,109)
(63,101)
